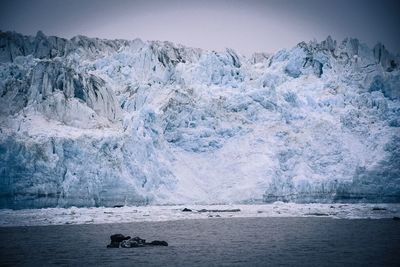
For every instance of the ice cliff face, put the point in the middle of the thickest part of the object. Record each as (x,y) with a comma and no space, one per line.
(91,122)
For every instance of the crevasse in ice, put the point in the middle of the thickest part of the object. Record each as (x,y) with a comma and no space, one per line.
(92,122)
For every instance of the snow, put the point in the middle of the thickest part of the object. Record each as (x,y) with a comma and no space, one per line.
(89,122)
(73,215)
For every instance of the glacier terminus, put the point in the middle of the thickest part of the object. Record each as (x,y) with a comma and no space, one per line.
(89,122)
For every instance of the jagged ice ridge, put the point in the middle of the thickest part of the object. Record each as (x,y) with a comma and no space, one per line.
(92,122)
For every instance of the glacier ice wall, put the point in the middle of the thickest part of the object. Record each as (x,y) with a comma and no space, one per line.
(92,122)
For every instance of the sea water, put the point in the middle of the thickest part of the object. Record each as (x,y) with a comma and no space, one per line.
(209,242)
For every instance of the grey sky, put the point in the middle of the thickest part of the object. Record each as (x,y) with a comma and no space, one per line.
(247,26)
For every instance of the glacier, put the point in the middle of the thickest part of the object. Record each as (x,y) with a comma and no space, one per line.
(89,122)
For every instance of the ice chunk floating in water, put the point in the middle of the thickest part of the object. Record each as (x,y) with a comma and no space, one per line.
(152,213)
(90,122)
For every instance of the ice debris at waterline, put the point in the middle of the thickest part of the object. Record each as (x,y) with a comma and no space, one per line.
(119,240)
(93,122)
(73,215)
(214,210)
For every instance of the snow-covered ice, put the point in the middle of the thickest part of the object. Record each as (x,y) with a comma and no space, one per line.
(89,122)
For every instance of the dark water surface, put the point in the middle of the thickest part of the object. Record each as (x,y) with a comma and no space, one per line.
(212,242)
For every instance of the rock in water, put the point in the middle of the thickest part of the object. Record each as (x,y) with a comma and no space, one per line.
(186,210)
(119,237)
(133,242)
(113,245)
(119,240)
(158,243)
(378,208)
(116,239)
(139,240)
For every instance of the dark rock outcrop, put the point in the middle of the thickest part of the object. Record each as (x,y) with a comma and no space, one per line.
(119,240)
(133,242)
(158,243)
(116,239)
(186,210)
(113,245)
(378,208)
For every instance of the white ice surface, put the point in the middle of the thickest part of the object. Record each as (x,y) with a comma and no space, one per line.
(73,215)
(89,122)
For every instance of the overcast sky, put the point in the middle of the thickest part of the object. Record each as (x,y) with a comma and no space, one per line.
(247,26)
